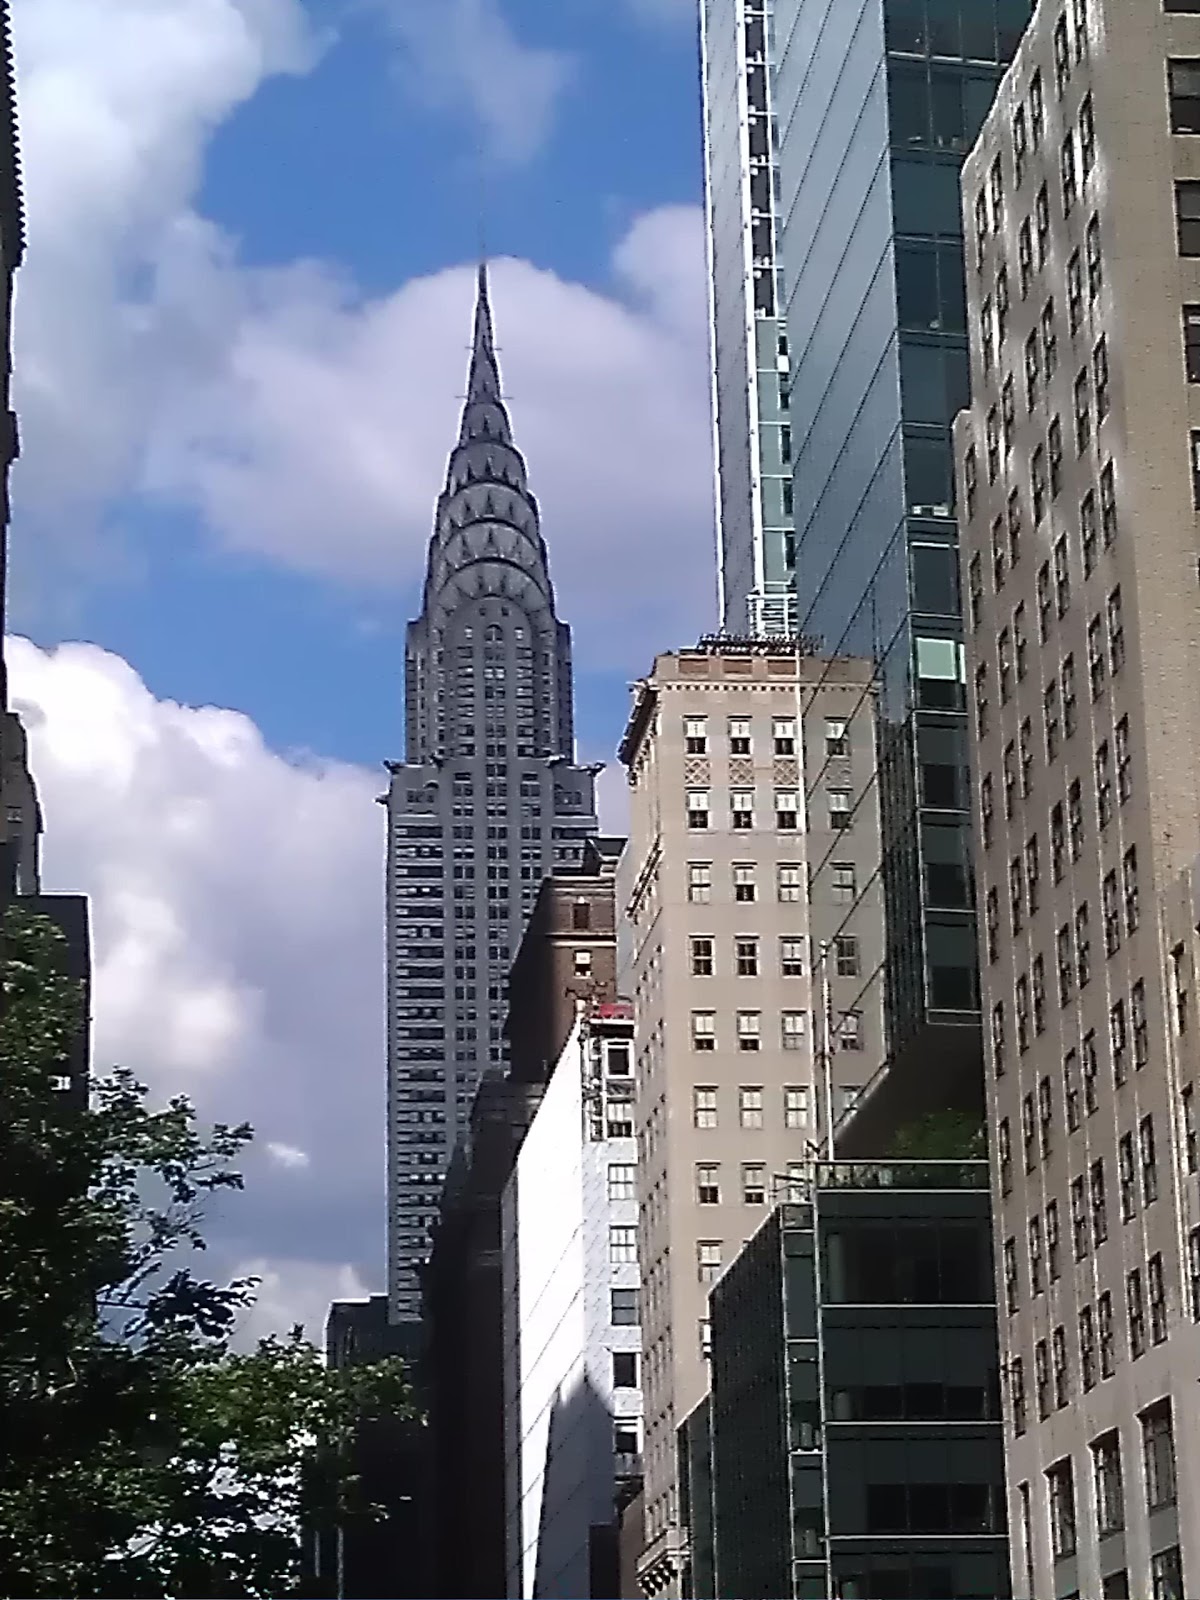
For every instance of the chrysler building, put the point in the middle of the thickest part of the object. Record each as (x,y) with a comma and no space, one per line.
(487,802)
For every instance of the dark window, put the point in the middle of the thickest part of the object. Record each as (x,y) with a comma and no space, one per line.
(1183,78)
(625,1373)
(625,1307)
(1187,216)
(1191,342)
(907,1265)
(1158,1455)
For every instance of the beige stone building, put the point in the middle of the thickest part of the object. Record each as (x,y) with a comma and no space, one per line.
(1079,478)
(735,790)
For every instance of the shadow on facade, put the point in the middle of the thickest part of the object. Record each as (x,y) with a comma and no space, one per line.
(577,1555)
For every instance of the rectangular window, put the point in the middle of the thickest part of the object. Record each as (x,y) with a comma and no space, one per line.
(1083,411)
(1062,1370)
(1099,1202)
(1087,1349)
(845,888)
(1183,82)
(708,1183)
(1129,888)
(1095,259)
(745,952)
(739,736)
(784,736)
(1157,1292)
(1187,216)
(741,809)
(1125,1169)
(750,1106)
(1191,342)
(795,1106)
(1083,946)
(839,809)
(791,958)
(792,1030)
(704,1030)
(1108,503)
(622,1180)
(697,808)
(699,882)
(1107,1478)
(1100,379)
(850,1031)
(702,958)
(787,809)
(749,1030)
(1135,1305)
(624,1369)
(695,735)
(837,738)
(745,883)
(708,1260)
(754,1183)
(1158,1455)
(622,1245)
(1060,1483)
(625,1310)
(704,1106)
(846,950)
(1149,1160)
(1106,1335)
(1062,577)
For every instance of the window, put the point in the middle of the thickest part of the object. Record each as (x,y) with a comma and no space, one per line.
(1070,186)
(746,957)
(784,736)
(1126,1171)
(1091,1071)
(1009,764)
(1108,504)
(697,808)
(741,809)
(1037,479)
(837,739)
(1149,1160)
(1045,1117)
(1037,109)
(1039,994)
(789,882)
(1104,795)
(791,957)
(1062,1370)
(1187,1105)
(1095,259)
(1099,1202)
(1191,342)
(787,809)
(1129,884)
(1041,1378)
(1079,1219)
(992,923)
(845,890)
(986,810)
(999,1059)
(1087,1349)
(745,883)
(1020,139)
(699,882)
(1066,965)
(1049,339)
(1043,599)
(1083,411)
(1158,1455)
(750,1106)
(1110,1491)
(622,1177)
(975,588)
(708,1183)
(1025,267)
(795,1106)
(1087,137)
(996,184)
(754,1183)
(1071,1088)
(992,426)
(1100,379)
(1183,80)
(708,1260)
(1075,293)
(1062,577)
(1010,1276)
(704,1106)
(839,809)
(704,1030)
(1106,1335)
(749,1030)
(1025,743)
(1004,1156)
(702,958)
(1021,992)
(1068,695)
(1008,411)
(982,717)
(1075,819)
(1135,1305)
(624,1369)
(1083,946)
(1016,1381)
(1118,1041)
(1062,56)
(1194,1273)
(999,553)
(846,950)
(1054,446)
(625,1311)
(1060,1482)
(1166,1566)
(1157,1291)
(1187,216)
(1036,1282)
(622,1245)
(695,735)
(850,1030)
(739,736)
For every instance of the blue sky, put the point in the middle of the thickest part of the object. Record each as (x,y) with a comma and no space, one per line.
(240,339)
(352,164)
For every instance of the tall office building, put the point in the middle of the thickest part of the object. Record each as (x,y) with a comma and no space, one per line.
(1079,482)
(749,346)
(729,969)
(877,101)
(487,801)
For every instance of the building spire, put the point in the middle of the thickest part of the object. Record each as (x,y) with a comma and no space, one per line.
(484,415)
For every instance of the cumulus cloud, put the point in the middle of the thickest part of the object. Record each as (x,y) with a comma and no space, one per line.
(457,53)
(237,918)
(299,418)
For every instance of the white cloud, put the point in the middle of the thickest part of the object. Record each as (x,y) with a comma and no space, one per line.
(457,53)
(294,1291)
(236,903)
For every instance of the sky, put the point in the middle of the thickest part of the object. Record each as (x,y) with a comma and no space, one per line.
(240,348)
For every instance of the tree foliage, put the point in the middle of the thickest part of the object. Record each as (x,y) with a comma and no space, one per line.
(140,1453)
(941,1136)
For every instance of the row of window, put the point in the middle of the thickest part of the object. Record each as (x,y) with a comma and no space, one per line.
(1159,1485)
(747,958)
(750,1105)
(793,1030)
(698,741)
(790,882)
(786,807)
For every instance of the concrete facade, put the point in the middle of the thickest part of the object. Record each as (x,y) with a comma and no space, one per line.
(572,1353)
(722,944)
(1077,495)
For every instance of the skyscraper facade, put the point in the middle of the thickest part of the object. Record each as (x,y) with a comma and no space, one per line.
(877,102)
(486,803)
(1079,493)
(749,344)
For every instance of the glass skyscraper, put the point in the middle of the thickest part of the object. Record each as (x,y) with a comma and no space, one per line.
(487,802)
(755,550)
(877,102)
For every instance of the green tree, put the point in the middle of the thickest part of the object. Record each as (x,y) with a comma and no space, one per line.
(941,1136)
(140,1454)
